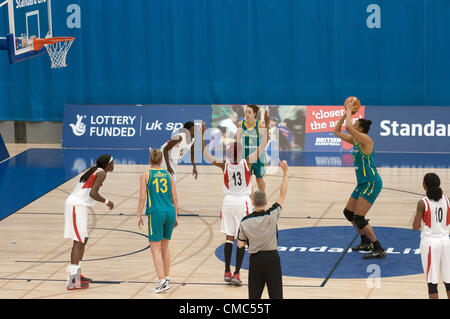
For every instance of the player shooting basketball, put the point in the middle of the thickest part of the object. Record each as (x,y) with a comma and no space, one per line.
(369,183)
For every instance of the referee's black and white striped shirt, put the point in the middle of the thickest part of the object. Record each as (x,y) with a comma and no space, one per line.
(259,229)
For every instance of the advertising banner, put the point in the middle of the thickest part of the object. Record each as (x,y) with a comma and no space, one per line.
(127,126)
(410,128)
(320,123)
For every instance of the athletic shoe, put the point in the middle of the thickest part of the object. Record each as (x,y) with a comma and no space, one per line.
(74,282)
(380,253)
(227,277)
(85,279)
(161,285)
(363,247)
(236,280)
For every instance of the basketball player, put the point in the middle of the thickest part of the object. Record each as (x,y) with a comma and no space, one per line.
(236,203)
(85,194)
(369,183)
(432,218)
(249,132)
(158,190)
(176,147)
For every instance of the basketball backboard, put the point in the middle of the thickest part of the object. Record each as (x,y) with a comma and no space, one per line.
(27,19)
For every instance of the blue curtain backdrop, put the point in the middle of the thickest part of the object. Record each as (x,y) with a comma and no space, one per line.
(236,52)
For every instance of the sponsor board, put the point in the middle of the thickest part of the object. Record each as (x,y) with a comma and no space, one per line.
(319,126)
(410,128)
(127,126)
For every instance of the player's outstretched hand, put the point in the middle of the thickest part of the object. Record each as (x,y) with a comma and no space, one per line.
(283,165)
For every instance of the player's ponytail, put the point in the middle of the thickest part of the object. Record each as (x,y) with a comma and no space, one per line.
(432,182)
(155,157)
(102,162)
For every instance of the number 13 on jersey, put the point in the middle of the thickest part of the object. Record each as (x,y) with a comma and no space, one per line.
(160,185)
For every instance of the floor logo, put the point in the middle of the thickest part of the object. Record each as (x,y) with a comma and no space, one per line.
(321,252)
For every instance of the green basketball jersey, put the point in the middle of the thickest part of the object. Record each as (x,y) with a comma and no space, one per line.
(251,140)
(364,164)
(159,192)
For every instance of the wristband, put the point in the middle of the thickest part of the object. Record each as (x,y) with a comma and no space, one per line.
(106,201)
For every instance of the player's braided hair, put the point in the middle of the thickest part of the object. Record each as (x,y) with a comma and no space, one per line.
(102,162)
(432,182)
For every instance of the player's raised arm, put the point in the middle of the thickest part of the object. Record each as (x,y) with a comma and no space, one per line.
(338,131)
(363,138)
(284,183)
(207,155)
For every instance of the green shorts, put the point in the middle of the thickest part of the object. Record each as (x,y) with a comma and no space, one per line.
(160,225)
(369,190)
(258,169)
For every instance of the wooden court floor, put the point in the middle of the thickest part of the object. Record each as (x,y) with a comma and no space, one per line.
(34,255)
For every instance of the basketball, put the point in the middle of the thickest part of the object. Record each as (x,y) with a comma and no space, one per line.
(356,103)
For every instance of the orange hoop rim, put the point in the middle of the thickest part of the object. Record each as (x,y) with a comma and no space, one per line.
(38,44)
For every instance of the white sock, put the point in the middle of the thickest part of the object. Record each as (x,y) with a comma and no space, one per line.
(72,269)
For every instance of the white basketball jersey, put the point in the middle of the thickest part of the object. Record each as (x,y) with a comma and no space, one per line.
(436,217)
(237,179)
(178,151)
(80,194)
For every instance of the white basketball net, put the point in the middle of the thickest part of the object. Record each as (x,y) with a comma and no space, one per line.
(58,53)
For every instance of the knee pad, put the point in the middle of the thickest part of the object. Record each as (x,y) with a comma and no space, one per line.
(360,221)
(432,288)
(348,214)
(447,286)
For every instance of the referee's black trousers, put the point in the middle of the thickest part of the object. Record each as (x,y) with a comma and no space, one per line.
(265,268)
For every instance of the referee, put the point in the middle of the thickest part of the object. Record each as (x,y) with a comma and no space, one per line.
(259,231)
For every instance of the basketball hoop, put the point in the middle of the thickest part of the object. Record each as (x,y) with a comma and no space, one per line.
(57,49)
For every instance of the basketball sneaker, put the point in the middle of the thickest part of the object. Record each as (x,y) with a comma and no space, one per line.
(85,279)
(379,253)
(227,277)
(161,285)
(363,247)
(82,278)
(236,280)
(74,282)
